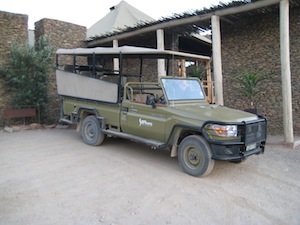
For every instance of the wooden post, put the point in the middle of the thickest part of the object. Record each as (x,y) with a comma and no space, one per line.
(286,72)
(183,68)
(217,61)
(116,60)
(161,46)
(209,82)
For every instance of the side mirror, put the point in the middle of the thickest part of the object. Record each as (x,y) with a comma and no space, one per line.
(151,101)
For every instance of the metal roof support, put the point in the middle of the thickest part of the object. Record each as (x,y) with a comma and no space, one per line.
(286,72)
(160,46)
(217,59)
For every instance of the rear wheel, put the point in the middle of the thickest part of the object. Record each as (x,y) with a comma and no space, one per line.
(194,155)
(91,132)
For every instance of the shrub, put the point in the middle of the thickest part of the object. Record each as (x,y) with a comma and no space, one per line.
(26,77)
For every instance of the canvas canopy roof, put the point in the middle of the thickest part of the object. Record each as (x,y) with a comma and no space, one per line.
(131,51)
(121,16)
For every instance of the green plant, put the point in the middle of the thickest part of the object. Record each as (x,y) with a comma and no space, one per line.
(249,82)
(196,71)
(26,76)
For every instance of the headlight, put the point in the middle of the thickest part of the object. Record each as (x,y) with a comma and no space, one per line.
(225,130)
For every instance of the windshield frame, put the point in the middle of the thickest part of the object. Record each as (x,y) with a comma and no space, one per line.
(181,89)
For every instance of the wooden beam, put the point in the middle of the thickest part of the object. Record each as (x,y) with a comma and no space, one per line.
(286,72)
(188,20)
(246,7)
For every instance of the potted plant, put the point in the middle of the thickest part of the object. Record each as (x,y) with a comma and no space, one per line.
(250,89)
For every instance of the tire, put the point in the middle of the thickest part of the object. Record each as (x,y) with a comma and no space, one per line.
(91,132)
(194,156)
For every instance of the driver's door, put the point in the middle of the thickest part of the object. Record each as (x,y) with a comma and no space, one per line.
(143,120)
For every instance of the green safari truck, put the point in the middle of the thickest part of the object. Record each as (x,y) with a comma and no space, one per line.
(171,113)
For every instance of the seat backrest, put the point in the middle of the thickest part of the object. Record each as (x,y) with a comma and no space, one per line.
(142,98)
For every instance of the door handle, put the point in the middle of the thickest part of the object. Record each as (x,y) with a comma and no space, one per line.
(124,110)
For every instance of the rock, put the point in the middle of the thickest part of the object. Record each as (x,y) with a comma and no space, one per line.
(35,126)
(25,127)
(62,126)
(16,128)
(8,129)
(49,126)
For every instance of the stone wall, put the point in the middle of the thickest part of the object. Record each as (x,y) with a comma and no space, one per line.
(295,66)
(253,44)
(13,27)
(62,35)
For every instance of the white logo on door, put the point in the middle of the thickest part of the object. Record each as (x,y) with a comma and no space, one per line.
(145,123)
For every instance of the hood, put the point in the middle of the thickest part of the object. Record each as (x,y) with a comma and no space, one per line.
(212,112)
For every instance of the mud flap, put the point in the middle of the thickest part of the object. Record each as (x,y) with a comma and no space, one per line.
(174,150)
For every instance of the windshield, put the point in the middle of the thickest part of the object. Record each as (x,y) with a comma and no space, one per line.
(182,89)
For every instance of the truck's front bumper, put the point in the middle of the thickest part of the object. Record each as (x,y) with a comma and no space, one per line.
(251,140)
(235,152)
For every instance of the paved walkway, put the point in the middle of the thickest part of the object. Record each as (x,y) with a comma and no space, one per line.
(279,140)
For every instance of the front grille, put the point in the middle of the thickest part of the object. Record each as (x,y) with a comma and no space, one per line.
(255,132)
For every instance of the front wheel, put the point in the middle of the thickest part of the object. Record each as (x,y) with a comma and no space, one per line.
(91,132)
(195,157)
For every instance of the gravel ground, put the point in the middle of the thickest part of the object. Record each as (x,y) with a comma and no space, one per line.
(52,177)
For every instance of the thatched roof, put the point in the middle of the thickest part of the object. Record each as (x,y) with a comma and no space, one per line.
(202,25)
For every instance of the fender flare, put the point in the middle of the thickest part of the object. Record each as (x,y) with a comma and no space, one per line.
(92,111)
(175,135)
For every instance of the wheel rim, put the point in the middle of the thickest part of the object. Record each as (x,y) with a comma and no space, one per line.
(192,157)
(90,131)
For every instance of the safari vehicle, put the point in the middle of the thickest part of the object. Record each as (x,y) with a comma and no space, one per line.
(171,113)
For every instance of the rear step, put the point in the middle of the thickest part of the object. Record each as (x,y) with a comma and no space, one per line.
(149,142)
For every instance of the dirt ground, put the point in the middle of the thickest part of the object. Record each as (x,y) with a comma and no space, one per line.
(52,177)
